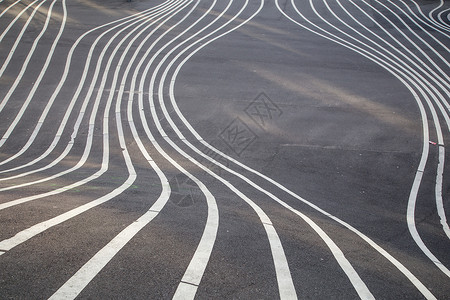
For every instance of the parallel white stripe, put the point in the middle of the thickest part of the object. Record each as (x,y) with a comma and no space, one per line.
(80,280)
(93,115)
(24,235)
(42,72)
(430,20)
(59,190)
(105,160)
(438,186)
(359,285)
(422,21)
(444,12)
(422,82)
(445,79)
(196,267)
(398,62)
(413,196)
(416,184)
(85,274)
(388,256)
(77,92)
(8,8)
(436,25)
(27,59)
(16,18)
(430,14)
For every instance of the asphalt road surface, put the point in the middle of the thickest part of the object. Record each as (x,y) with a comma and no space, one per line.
(224,149)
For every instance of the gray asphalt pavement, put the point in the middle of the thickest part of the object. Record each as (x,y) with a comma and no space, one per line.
(203,149)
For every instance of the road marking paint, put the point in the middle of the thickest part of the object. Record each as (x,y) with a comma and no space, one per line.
(14,47)
(422,163)
(359,285)
(287,289)
(16,18)
(438,191)
(42,72)
(77,92)
(88,146)
(439,180)
(8,8)
(395,262)
(26,234)
(80,280)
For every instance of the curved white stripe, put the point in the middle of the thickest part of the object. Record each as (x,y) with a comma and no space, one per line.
(77,92)
(43,70)
(431,20)
(359,285)
(422,82)
(445,79)
(416,184)
(14,47)
(444,12)
(89,270)
(104,165)
(422,21)
(24,235)
(8,8)
(16,18)
(414,191)
(198,264)
(88,146)
(394,261)
(400,63)
(176,109)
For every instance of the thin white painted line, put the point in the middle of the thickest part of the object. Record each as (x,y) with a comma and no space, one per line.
(34,230)
(439,180)
(405,271)
(422,163)
(438,186)
(438,191)
(420,26)
(87,149)
(423,81)
(77,92)
(2,252)
(13,49)
(103,169)
(441,13)
(197,266)
(28,233)
(8,8)
(430,14)
(359,285)
(287,289)
(424,19)
(445,78)
(43,70)
(418,284)
(400,63)
(84,275)
(15,20)
(430,20)
(410,210)
(80,280)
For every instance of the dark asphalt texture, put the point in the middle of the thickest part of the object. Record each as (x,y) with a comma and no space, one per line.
(343,133)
